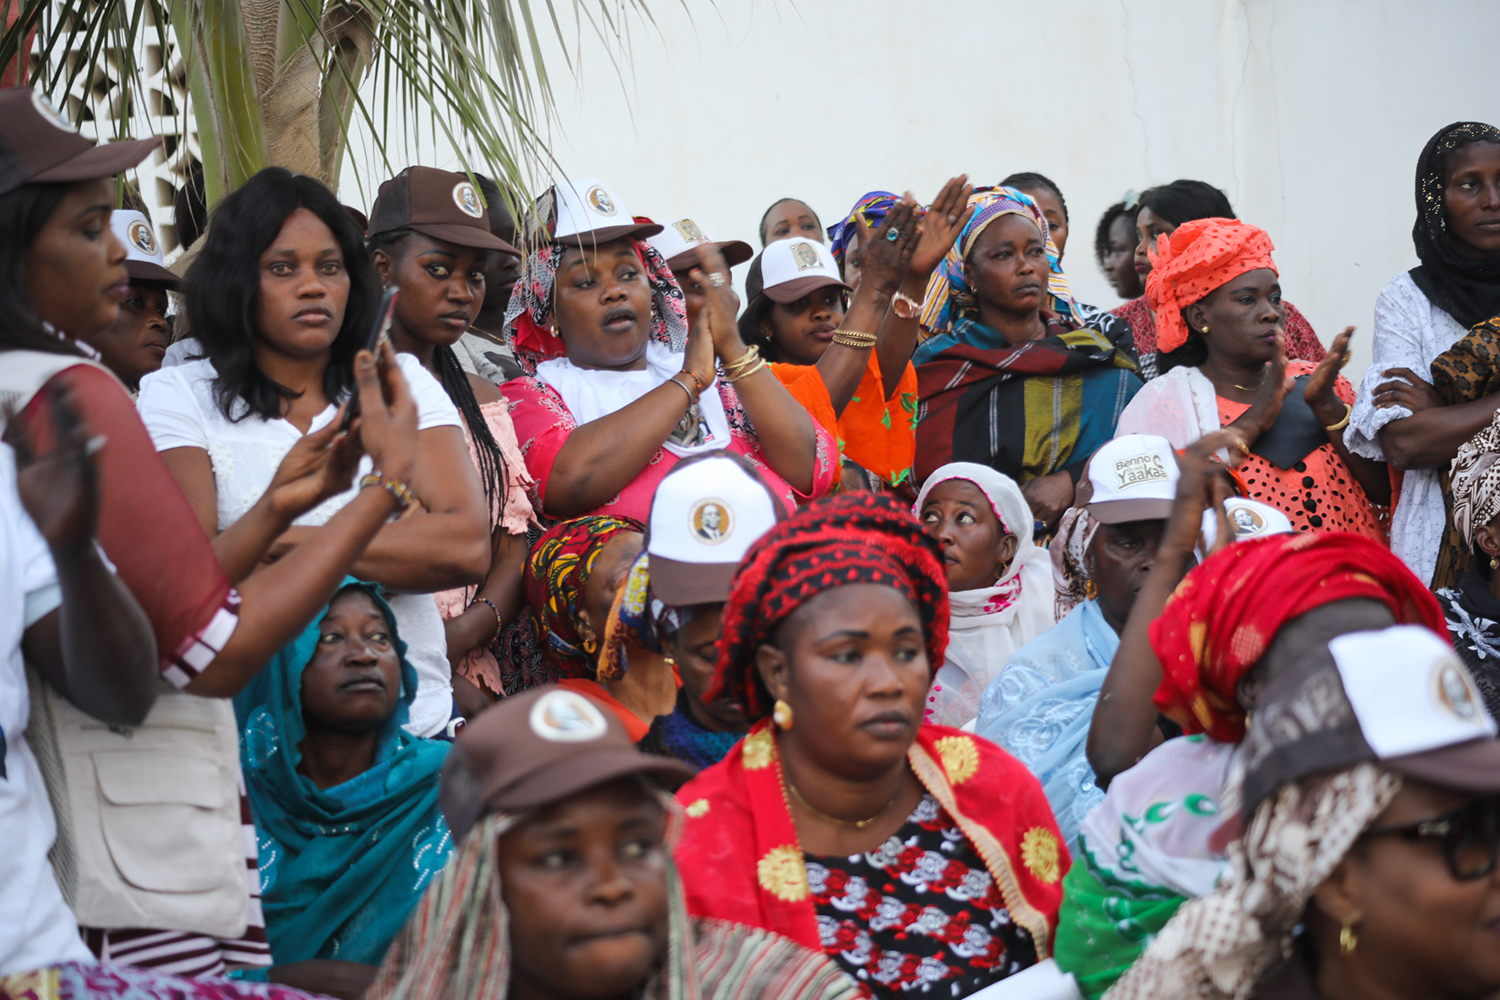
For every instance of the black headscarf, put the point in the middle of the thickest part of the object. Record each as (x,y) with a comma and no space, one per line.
(1466,288)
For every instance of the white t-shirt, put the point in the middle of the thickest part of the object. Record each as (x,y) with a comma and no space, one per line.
(36,926)
(177,406)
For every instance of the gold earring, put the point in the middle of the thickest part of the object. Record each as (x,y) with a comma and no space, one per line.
(669,661)
(782,715)
(1205,329)
(590,645)
(1348,940)
(1495,564)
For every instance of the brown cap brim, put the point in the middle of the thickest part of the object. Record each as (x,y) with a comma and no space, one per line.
(145,270)
(1472,766)
(639,230)
(464,236)
(1120,511)
(791,291)
(682,584)
(565,777)
(735,252)
(100,161)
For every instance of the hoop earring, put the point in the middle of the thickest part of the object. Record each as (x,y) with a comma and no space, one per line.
(1348,939)
(781,714)
(590,645)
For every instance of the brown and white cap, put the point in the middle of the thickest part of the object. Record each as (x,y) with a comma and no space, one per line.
(143,256)
(679,241)
(436,203)
(538,747)
(37,144)
(789,269)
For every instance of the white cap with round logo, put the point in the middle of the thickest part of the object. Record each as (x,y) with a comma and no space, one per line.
(586,212)
(706,513)
(143,257)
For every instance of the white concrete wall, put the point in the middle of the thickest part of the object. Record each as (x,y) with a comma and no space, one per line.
(1309,113)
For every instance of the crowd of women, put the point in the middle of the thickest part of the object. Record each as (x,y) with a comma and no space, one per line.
(474,598)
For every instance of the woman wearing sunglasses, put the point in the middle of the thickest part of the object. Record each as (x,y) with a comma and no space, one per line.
(1369,818)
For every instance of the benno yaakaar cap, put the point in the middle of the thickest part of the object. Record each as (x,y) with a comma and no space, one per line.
(143,257)
(436,203)
(1134,479)
(39,145)
(538,747)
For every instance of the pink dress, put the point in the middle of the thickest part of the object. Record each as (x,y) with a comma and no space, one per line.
(480,665)
(543,423)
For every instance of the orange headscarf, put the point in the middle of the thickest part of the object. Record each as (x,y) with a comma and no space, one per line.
(1196,258)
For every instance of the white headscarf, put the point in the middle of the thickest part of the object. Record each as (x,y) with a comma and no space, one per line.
(989,624)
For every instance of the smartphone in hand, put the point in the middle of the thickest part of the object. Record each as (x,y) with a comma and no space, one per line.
(380,332)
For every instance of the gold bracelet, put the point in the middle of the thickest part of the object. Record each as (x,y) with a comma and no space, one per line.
(1348,412)
(743,363)
(397,489)
(759,364)
(679,384)
(855,339)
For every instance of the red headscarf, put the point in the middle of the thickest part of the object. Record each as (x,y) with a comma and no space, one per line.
(1226,612)
(850,538)
(1196,258)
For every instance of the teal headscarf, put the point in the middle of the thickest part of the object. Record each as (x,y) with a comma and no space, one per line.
(340,868)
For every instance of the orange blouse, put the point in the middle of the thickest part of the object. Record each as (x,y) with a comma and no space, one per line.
(875,433)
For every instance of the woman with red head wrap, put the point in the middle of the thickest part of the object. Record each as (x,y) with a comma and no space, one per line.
(1221,328)
(841,805)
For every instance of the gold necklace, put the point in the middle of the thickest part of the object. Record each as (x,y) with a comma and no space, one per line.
(858,824)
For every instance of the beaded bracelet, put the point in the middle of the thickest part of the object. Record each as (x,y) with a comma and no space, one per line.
(397,489)
(855,339)
(499,622)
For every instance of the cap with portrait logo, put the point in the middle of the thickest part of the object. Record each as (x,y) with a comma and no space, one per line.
(143,257)
(587,212)
(706,513)
(39,145)
(538,747)
(678,242)
(1249,519)
(436,203)
(789,269)
(1134,478)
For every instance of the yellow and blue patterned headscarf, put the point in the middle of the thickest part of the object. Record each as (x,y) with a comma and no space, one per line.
(949,296)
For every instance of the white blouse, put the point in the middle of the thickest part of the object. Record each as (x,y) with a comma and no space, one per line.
(1410,332)
(178,408)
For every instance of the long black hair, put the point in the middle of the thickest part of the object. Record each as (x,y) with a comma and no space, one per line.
(223,287)
(1185,200)
(494,473)
(23,213)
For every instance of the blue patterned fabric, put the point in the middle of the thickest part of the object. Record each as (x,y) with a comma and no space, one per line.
(1040,706)
(341,867)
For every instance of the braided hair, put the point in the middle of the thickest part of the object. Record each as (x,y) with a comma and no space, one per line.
(494,473)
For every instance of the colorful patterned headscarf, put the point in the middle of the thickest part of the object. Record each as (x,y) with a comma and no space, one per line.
(1196,258)
(869,210)
(949,295)
(1475,474)
(1227,611)
(556,571)
(526,316)
(845,539)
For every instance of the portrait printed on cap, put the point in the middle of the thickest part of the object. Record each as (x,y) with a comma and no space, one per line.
(467,200)
(1453,690)
(689,231)
(599,200)
(141,237)
(1140,470)
(1247,522)
(54,117)
(711,521)
(805,257)
(566,717)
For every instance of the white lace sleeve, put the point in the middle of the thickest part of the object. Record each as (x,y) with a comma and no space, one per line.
(1398,343)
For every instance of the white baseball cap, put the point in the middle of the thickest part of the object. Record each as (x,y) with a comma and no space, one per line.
(143,257)
(706,513)
(588,212)
(677,239)
(1134,479)
(789,269)
(1250,519)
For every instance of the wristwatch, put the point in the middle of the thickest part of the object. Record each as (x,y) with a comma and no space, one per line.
(905,306)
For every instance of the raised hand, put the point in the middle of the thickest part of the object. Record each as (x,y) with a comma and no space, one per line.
(1319,393)
(388,414)
(720,304)
(885,252)
(942,224)
(1266,406)
(60,489)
